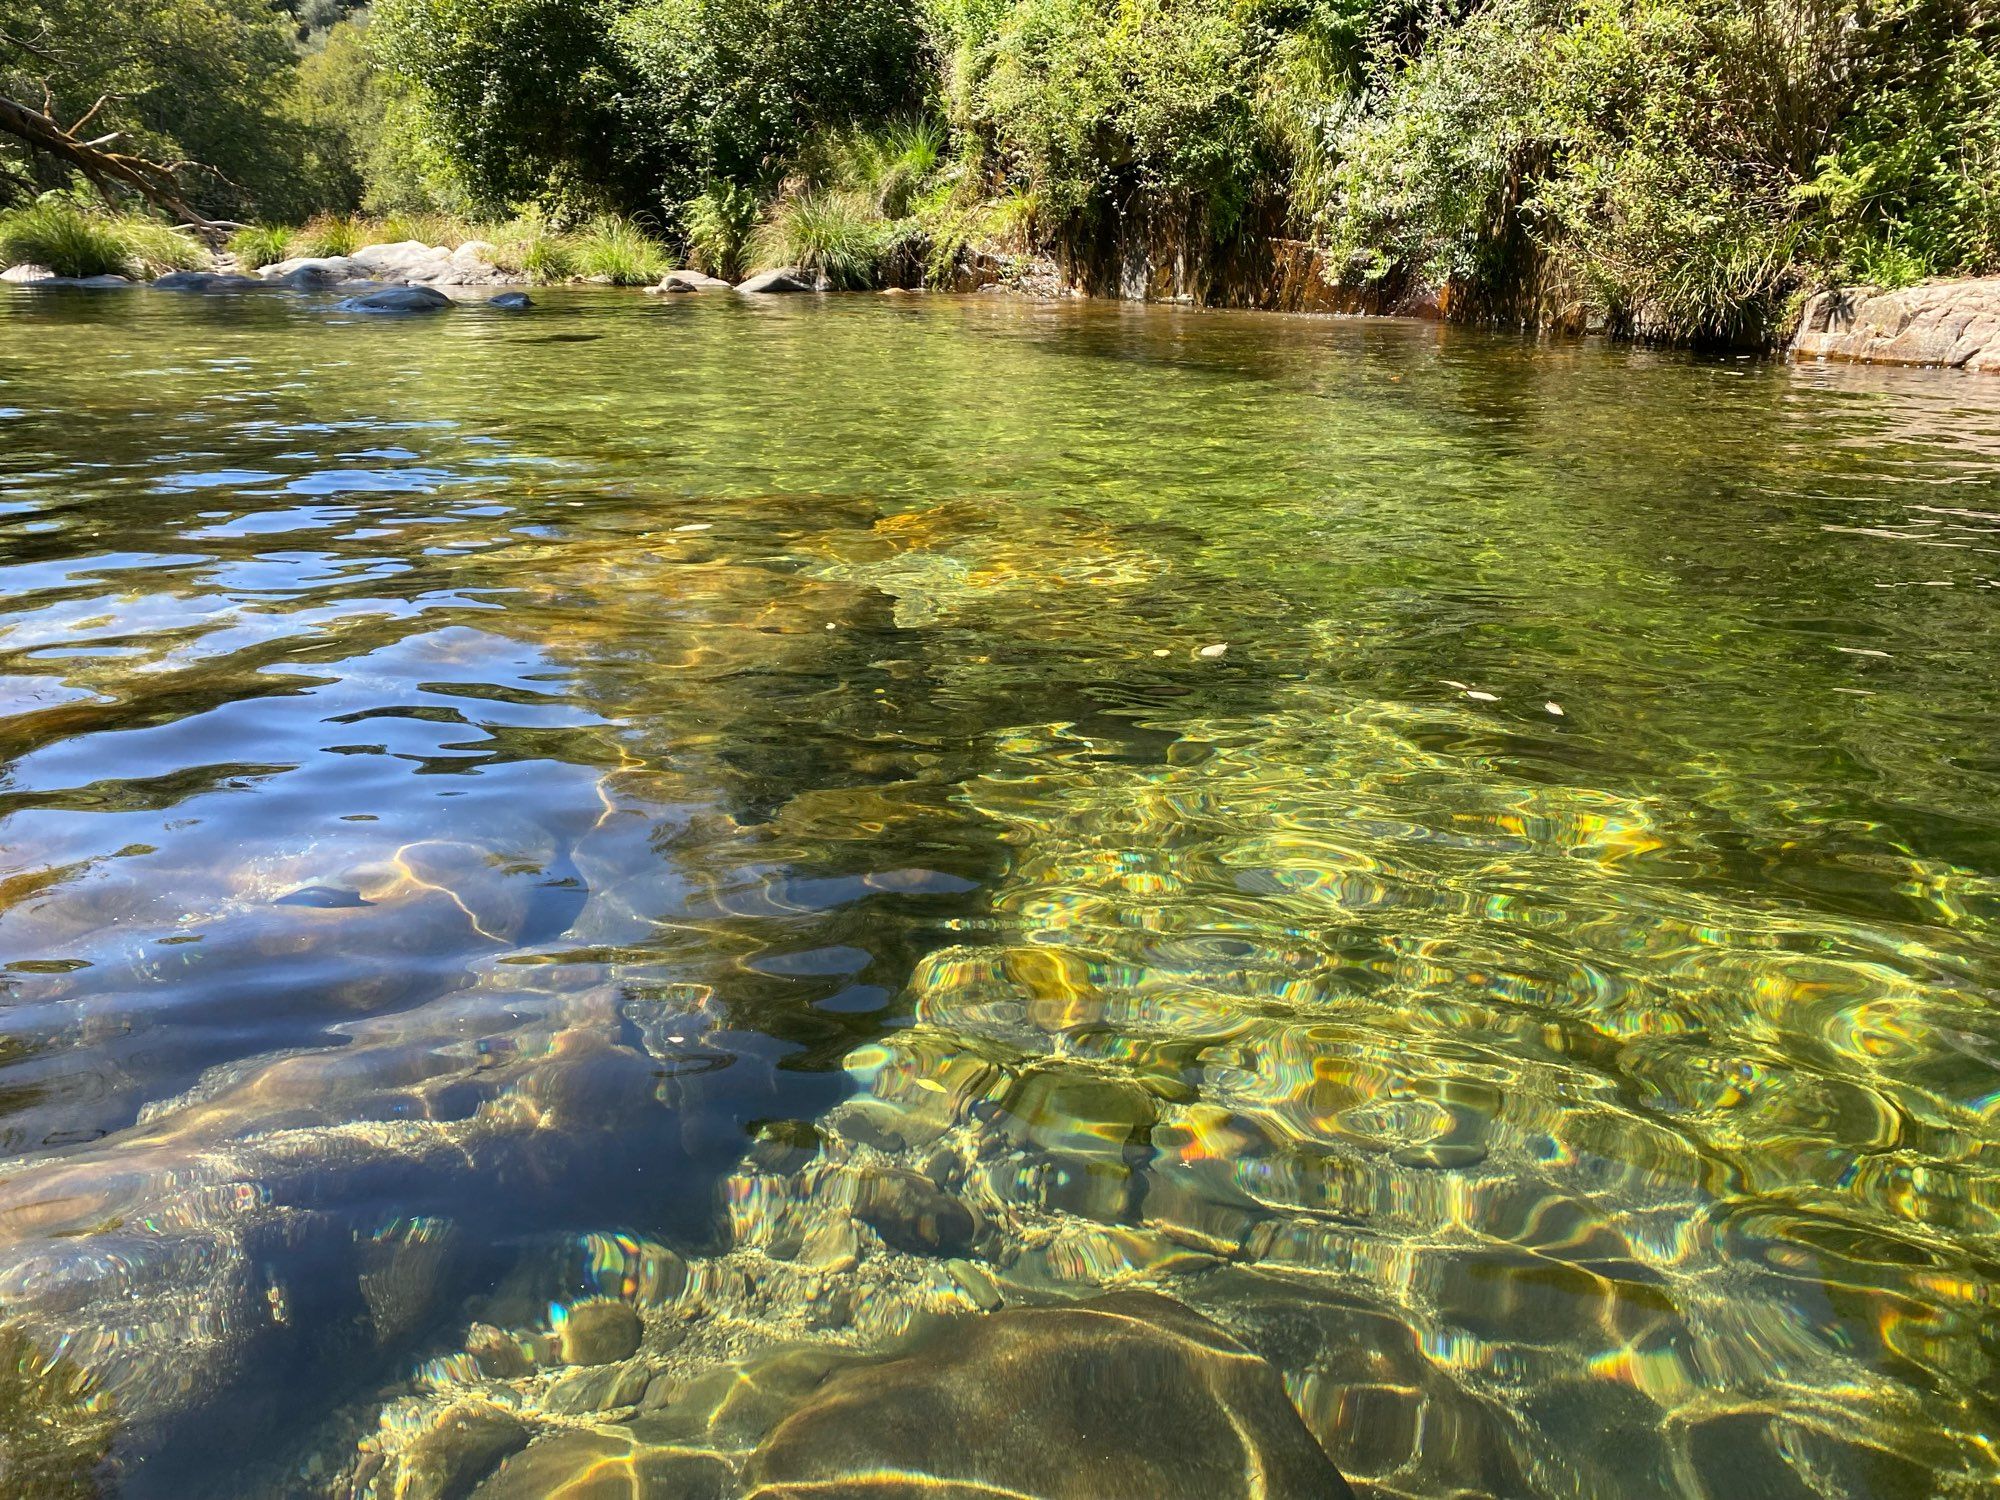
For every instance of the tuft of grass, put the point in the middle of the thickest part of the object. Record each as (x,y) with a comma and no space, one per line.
(841,235)
(428,228)
(542,257)
(72,240)
(719,226)
(330,234)
(892,166)
(260,245)
(618,251)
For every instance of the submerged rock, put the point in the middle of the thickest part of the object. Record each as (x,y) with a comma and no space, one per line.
(312,272)
(92,283)
(460,1449)
(203,281)
(914,1214)
(1124,1395)
(602,1465)
(398,299)
(511,302)
(783,279)
(597,1333)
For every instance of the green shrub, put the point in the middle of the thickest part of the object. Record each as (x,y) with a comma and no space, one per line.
(428,227)
(64,238)
(260,245)
(329,234)
(718,225)
(543,257)
(618,251)
(840,235)
(892,166)
(155,246)
(73,240)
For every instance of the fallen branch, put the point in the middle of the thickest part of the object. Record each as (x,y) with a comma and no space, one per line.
(104,169)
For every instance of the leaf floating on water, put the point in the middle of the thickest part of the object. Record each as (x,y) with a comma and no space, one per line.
(1161,652)
(1478,697)
(697,526)
(1554,707)
(1463,687)
(1213,651)
(1862,651)
(932,1085)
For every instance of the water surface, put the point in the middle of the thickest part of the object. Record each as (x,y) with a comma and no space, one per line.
(1474,864)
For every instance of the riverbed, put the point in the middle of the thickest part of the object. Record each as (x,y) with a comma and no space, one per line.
(1471,864)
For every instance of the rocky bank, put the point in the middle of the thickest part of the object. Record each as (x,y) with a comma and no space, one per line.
(1955,324)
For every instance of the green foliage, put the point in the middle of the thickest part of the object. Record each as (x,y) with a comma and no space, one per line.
(839,234)
(718,225)
(1912,186)
(1097,103)
(737,88)
(259,245)
(200,81)
(893,165)
(72,238)
(340,104)
(523,99)
(619,252)
(543,256)
(329,234)
(637,105)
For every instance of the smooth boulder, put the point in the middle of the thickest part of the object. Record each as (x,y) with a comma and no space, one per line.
(1129,1394)
(312,272)
(203,281)
(784,279)
(511,302)
(691,281)
(398,299)
(27,272)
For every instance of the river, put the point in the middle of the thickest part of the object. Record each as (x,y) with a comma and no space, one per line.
(1473,864)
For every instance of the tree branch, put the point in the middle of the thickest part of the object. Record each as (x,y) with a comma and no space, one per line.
(156,182)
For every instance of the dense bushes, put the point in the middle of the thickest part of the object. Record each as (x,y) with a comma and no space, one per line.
(1673,167)
(1680,166)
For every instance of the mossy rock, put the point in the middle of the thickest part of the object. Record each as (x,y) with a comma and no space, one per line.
(1128,1394)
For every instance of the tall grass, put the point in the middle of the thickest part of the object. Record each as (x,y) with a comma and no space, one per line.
(619,252)
(72,240)
(840,235)
(330,234)
(892,166)
(719,225)
(258,245)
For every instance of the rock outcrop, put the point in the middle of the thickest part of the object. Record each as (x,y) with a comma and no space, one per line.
(1950,323)
(406,263)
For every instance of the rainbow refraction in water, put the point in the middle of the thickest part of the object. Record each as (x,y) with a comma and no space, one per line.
(562,878)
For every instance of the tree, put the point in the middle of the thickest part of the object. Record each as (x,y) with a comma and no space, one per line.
(178,101)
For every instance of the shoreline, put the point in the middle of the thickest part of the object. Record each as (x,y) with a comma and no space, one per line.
(1951,323)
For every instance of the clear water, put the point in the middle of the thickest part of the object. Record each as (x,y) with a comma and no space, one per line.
(1475,865)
